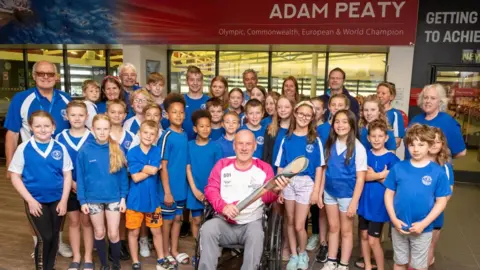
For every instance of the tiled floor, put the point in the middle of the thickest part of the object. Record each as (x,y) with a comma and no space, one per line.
(459,247)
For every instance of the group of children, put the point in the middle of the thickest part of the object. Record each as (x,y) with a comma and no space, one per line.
(140,163)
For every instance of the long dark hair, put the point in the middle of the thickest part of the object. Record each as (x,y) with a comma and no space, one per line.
(114,80)
(351,139)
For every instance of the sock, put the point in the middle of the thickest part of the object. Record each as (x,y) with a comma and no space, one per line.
(144,238)
(35,241)
(115,248)
(101,250)
(332,260)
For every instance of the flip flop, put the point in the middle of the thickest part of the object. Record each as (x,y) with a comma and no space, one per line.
(88,266)
(172,260)
(361,261)
(74,265)
(182,258)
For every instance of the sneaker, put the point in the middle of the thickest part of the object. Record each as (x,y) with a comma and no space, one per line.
(115,267)
(65,250)
(164,264)
(144,249)
(322,254)
(342,267)
(124,253)
(136,266)
(330,266)
(105,267)
(303,261)
(312,242)
(185,229)
(293,263)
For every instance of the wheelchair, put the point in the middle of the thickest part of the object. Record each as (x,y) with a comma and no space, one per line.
(272,224)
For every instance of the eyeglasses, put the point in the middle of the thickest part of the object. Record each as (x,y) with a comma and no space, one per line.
(306,116)
(140,100)
(43,74)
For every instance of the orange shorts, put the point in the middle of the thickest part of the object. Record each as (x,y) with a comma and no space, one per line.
(135,219)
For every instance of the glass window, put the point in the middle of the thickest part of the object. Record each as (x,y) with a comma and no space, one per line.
(233,64)
(12,76)
(116,59)
(54,56)
(307,68)
(363,70)
(85,65)
(180,60)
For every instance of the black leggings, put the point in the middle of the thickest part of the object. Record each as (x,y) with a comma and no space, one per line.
(315,212)
(47,229)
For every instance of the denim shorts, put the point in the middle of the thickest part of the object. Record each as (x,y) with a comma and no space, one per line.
(343,203)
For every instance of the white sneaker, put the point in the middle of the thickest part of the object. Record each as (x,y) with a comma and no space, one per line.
(312,242)
(329,265)
(144,249)
(65,250)
(342,267)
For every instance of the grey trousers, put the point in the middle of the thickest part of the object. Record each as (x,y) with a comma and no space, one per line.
(217,232)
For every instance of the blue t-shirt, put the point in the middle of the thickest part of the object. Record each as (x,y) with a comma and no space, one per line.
(259,138)
(226,146)
(390,144)
(143,196)
(164,122)
(29,101)
(174,149)
(296,146)
(438,223)
(416,190)
(74,144)
(372,205)
(192,105)
(282,132)
(216,133)
(125,141)
(132,124)
(449,126)
(201,158)
(266,121)
(323,131)
(41,166)
(395,120)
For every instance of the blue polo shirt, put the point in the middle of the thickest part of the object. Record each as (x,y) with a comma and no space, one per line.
(192,105)
(125,140)
(74,144)
(259,137)
(216,133)
(29,101)
(132,124)
(143,196)
(416,190)
(226,146)
(174,149)
(41,166)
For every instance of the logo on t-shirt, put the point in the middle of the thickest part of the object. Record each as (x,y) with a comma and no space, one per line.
(57,155)
(203,106)
(64,114)
(309,148)
(127,144)
(260,140)
(427,180)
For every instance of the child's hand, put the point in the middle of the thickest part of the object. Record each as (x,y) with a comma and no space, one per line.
(35,208)
(280,198)
(399,225)
(123,206)
(85,209)
(320,202)
(352,210)
(62,208)
(314,198)
(199,195)
(384,173)
(150,170)
(168,199)
(417,227)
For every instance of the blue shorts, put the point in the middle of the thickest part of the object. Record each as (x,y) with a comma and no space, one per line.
(176,209)
(196,212)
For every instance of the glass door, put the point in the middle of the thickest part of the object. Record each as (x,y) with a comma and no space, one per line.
(463,88)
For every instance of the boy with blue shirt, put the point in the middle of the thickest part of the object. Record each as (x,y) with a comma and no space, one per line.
(194,99)
(173,191)
(215,108)
(416,194)
(254,114)
(231,123)
(143,201)
(203,154)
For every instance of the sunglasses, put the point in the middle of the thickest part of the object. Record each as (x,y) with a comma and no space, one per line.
(43,74)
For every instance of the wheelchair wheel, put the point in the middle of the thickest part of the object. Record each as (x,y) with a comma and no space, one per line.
(272,257)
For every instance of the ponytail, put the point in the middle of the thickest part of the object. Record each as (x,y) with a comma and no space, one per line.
(117,158)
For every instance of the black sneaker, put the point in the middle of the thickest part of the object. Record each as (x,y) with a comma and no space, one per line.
(124,253)
(185,229)
(105,267)
(322,254)
(136,266)
(115,267)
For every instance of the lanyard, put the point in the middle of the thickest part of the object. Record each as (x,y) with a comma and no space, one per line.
(41,105)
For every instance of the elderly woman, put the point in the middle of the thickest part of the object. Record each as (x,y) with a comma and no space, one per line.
(433,101)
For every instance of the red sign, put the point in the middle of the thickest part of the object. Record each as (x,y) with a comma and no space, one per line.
(269,22)
(465,92)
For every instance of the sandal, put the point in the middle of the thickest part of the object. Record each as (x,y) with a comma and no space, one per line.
(88,266)
(182,258)
(74,265)
(171,260)
(360,263)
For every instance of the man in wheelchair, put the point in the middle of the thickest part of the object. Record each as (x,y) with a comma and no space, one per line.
(231,180)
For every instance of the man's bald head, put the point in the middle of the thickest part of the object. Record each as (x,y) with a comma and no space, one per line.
(244,145)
